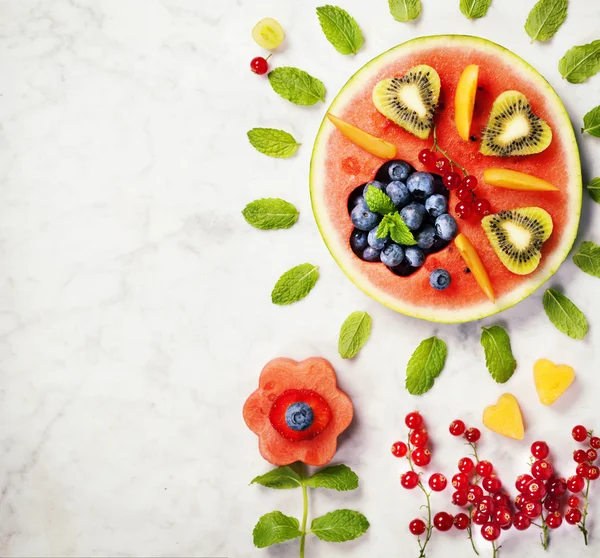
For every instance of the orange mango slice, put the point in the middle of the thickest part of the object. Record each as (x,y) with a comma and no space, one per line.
(474,263)
(464,101)
(515,180)
(551,380)
(371,144)
(505,417)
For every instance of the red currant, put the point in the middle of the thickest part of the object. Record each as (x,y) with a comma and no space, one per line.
(437,482)
(484,468)
(579,433)
(399,449)
(457,427)
(409,480)
(443,166)
(540,450)
(554,520)
(535,490)
(259,65)
(474,493)
(593,473)
(582,470)
(579,456)
(573,502)
(490,532)
(460,481)
(427,157)
(464,194)
(501,500)
(595,442)
(421,457)
(479,518)
(491,484)
(503,517)
(472,435)
(464,209)
(552,504)
(486,505)
(532,509)
(556,487)
(521,522)
(442,521)
(461,521)
(520,501)
(466,465)
(575,484)
(417,527)
(592,455)
(469,182)
(522,482)
(573,516)
(451,180)
(414,420)
(459,498)
(482,207)
(419,438)
(542,470)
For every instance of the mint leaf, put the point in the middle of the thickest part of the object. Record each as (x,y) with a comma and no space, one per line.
(336,477)
(591,122)
(274,528)
(296,85)
(594,189)
(405,10)
(545,18)
(341,29)
(378,201)
(565,316)
(398,230)
(355,332)
(587,258)
(580,62)
(498,354)
(339,526)
(270,213)
(273,142)
(474,9)
(295,284)
(280,478)
(425,365)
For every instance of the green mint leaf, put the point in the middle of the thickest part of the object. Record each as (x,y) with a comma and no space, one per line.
(270,213)
(587,258)
(275,528)
(296,85)
(474,9)
(383,229)
(280,478)
(399,232)
(591,122)
(336,477)
(580,62)
(378,201)
(425,365)
(273,142)
(355,332)
(565,316)
(545,18)
(339,526)
(341,29)
(405,10)
(594,189)
(295,284)
(498,355)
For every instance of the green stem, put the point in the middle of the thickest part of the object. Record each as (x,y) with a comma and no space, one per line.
(544,535)
(429,531)
(437,147)
(585,512)
(304,518)
(470,531)
(495,549)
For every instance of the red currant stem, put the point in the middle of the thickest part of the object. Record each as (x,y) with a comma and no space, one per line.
(269,56)
(544,533)
(470,531)
(496,549)
(429,531)
(437,147)
(304,516)
(474,448)
(585,512)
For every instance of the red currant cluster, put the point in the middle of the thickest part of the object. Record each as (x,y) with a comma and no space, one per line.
(469,204)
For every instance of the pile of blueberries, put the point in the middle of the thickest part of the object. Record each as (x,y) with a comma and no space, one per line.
(422,202)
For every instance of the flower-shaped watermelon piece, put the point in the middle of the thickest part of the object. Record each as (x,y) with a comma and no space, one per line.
(298,411)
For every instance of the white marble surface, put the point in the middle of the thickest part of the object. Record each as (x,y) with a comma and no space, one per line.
(134,300)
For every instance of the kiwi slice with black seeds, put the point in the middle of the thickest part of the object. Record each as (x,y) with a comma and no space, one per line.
(517,236)
(513,128)
(410,101)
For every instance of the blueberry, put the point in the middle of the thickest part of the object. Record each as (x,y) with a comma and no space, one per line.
(370,254)
(421,185)
(398,192)
(399,170)
(361,202)
(299,416)
(425,237)
(354,197)
(413,215)
(439,279)
(392,254)
(374,242)
(436,205)
(374,183)
(358,241)
(363,218)
(446,227)
(414,256)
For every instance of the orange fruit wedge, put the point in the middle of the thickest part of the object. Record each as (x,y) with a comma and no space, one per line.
(464,101)
(505,417)
(515,180)
(474,263)
(371,144)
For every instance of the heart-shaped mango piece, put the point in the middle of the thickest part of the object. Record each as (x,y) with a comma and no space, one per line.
(505,417)
(551,380)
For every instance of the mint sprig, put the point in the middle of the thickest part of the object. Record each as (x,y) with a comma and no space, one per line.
(580,62)
(296,85)
(405,10)
(295,284)
(273,142)
(565,316)
(270,214)
(425,365)
(474,9)
(392,225)
(378,201)
(341,29)
(499,358)
(355,332)
(545,18)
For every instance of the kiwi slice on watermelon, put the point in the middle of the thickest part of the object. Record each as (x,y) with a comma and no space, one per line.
(513,128)
(410,101)
(517,236)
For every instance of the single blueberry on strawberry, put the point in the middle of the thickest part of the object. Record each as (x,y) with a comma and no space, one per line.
(299,414)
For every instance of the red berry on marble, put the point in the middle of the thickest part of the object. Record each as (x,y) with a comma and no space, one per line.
(437,482)
(421,457)
(457,427)
(540,450)
(443,521)
(474,493)
(490,532)
(399,449)
(535,490)
(579,433)
(532,509)
(259,65)
(501,500)
(556,486)
(521,522)
(552,504)
(520,501)
(472,435)
(461,521)
(417,527)
(414,420)
(486,505)
(522,482)
(479,518)
(419,438)
(503,517)
(593,473)
(573,516)
(428,158)
(542,470)
(469,182)
(484,468)
(464,210)
(459,498)
(554,520)
(466,465)
(592,455)
(579,456)
(573,502)
(451,180)
(582,470)
(575,484)
(491,484)
(409,480)
(443,166)
(460,481)
(595,442)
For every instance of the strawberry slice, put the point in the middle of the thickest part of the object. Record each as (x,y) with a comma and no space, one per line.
(310,424)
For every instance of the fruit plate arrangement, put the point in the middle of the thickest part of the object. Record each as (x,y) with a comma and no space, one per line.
(476,153)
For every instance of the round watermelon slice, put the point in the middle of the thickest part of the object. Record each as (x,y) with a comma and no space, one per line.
(338,167)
